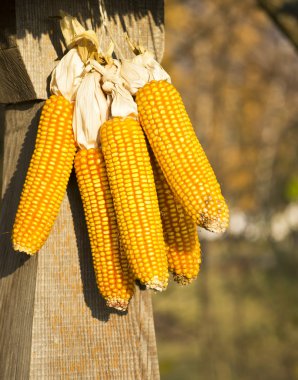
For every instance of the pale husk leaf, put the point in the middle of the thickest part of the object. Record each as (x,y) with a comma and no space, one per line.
(91,110)
(156,71)
(135,75)
(123,104)
(140,70)
(70,27)
(76,35)
(73,31)
(67,75)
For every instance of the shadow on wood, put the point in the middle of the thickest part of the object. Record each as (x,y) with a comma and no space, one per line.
(92,297)
(10,260)
(17,271)
(89,10)
(53,322)
(30,37)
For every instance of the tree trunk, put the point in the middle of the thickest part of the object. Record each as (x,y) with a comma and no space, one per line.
(285,15)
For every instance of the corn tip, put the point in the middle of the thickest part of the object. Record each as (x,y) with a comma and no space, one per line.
(213,225)
(20,248)
(117,303)
(182,279)
(156,284)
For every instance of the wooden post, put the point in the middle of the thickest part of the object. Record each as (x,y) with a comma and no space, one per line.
(53,322)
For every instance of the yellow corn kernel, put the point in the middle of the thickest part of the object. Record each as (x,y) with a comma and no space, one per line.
(180,155)
(135,200)
(180,231)
(115,280)
(47,176)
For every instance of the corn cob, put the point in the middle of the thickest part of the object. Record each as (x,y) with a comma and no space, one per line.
(135,200)
(47,176)
(180,155)
(180,231)
(113,276)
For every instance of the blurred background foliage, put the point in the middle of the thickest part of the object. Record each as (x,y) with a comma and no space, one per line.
(237,74)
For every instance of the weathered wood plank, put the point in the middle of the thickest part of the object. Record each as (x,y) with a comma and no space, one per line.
(40,42)
(53,322)
(17,271)
(16,85)
(75,336)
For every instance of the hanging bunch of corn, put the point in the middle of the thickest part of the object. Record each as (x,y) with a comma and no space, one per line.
(142,203)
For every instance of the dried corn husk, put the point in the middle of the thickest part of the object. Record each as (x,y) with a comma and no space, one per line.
(140,70)
(67,75)
(91,110)
(122,102)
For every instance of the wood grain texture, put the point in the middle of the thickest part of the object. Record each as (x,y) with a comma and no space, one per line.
(41,44)
(17,271)
(16,85)
(53,322)
(75,336)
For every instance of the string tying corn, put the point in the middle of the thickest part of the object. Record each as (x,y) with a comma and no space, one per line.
(141,222)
